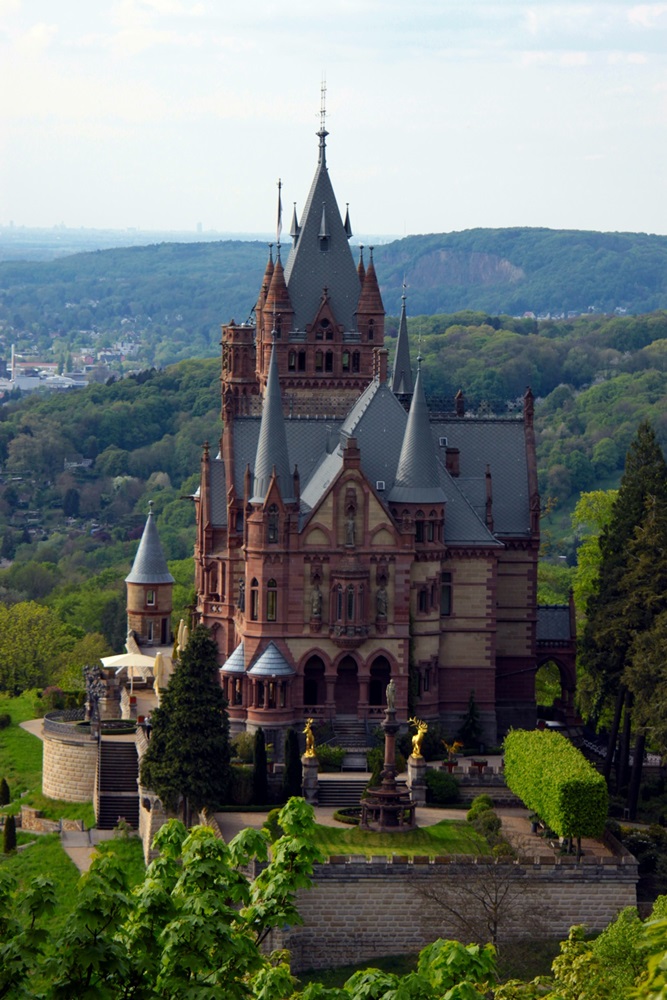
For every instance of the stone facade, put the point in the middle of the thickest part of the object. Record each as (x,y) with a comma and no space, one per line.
(69,768)
(360,909)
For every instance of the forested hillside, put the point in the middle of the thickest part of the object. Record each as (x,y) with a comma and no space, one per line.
(169,299)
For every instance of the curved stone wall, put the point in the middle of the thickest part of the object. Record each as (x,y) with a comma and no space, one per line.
(69,768)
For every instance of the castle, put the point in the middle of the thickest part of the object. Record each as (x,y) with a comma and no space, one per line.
(345,535)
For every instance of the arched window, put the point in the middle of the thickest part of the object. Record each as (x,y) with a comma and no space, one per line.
(291,361)
(346,361)
(371,329)
(328,362)
(254,599)
(302,361)
(272,525)
(419,526)
(271,601)
(355,361)
(350,603)
(318,361)
(339,603)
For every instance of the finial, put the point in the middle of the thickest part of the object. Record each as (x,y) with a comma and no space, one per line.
(279,224)
(271,252)
(371,249)
(150,506)
(323,120)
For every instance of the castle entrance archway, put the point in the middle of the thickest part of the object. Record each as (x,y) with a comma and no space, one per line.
(347,687)
(380,674)
(314,686)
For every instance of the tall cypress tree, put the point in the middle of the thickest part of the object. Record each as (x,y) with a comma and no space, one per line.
(292,771)
(614,614)
(260,780)
(9,835)
(187,760)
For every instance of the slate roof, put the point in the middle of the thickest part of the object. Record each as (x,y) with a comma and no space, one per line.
(272,452)
(150,565)
(417,476)
(310,267)
(235,662)
(271,663)
(553,623)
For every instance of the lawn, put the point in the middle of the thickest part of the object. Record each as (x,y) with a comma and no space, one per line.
(446,837)
(21,765)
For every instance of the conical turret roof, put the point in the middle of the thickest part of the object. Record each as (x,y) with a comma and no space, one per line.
(150,565)
(418,474)
(401,383)
(370,300)
(272,444)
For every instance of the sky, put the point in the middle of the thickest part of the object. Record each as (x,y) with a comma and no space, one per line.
(443,115)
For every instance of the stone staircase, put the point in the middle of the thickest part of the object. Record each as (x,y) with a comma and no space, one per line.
(350,733)
(117,792)
(341,792)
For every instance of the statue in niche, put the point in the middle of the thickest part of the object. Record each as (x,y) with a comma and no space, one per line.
(391,695)
(381,601)
(316,602)
(241,595)
(349,528)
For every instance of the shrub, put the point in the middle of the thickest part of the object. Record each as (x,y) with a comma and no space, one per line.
(351,815)
(9,835)
(556,781)
(330,758)
(5,720)
(5,797)
(441,787)
(487,823)
(243,747)
(53,698)
(272,826)
(375,764)
(479,803)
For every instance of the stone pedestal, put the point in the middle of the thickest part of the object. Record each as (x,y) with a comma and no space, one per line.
(309,770)
(388,808)
(417,780)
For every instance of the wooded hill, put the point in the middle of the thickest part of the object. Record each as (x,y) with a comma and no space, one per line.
(174,296)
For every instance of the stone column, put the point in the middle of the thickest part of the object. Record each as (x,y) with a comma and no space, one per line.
(309,770)
(417,779)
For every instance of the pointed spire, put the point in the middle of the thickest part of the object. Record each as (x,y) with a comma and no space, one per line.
(272,456)
(347,223)
(401,383)
(418,475)
(295,228)
(361,270)
(150,565)
(277,298)
(370,300)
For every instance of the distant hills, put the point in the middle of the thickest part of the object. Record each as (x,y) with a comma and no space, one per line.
(499,271)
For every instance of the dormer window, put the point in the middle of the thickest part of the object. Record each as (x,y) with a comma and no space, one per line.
(150,598)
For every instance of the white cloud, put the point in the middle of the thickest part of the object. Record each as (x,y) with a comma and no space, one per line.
(563,60)
(646,15)
(33,42)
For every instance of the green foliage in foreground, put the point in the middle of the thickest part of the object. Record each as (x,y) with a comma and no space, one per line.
(556,781)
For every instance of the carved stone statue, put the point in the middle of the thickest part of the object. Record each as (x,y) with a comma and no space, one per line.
(391,695)
(381,602)
(316,602)
(422,729)
(241,595)
(310,739)
(349,529)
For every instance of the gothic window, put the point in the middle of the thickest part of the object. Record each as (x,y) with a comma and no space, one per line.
(272,525)
(149,631)
(291,361)
(271,601)
(422,601)
(150,598)
(360,603)
(328,362)
(302,361)
(314,684)
(346,361)
(319,333)
(254,599)
(427,679)
(445,594)
(350,603)
(355,361)
(419,526)
(371,329)
(339,603)
(318,361)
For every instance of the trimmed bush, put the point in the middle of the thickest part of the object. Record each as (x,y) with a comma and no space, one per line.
(243,746)
(487,823)
(5,720)
(441,788)
(479,803)
(9,835)
(330,758)
(5,796)
(555,780)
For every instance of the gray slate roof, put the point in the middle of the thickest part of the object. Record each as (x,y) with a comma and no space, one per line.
(402,382)
(235,662)
(272,450)
(417,476)
(271,663)
(553,623)
(310,268)
(150,565)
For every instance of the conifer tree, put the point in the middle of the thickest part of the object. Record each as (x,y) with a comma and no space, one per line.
(5,797)
(187,760)
(9,835)
(260,781)
(292,771)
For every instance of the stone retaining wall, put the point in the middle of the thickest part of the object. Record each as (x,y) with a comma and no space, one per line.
(69,767)
(362,909)
(32,819)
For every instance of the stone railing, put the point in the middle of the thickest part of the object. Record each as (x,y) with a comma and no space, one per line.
(67,723)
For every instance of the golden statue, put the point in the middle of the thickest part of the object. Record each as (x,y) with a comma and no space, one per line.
(310,739)
(422,729)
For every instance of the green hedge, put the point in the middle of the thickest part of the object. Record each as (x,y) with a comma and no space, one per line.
(556,781)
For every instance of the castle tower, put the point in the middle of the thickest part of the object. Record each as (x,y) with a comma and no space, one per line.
(149,589)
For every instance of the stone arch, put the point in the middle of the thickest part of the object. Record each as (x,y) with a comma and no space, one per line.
(314,683)
(564,673)
(379,677)
(346,689)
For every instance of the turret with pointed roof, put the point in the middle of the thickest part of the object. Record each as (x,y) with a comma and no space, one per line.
(149,588)
(272,456)
(418,473)
(402,384)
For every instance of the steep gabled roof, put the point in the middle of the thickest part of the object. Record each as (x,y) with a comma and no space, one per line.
(150,565)
(417,476)
(272,445)
(321,258)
